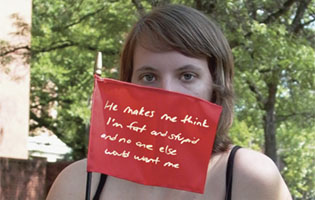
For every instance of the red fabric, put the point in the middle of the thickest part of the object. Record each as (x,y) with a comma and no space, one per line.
(143,157)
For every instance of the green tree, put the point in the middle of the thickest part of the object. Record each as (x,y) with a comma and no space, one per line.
(274,60)
(297,149)
(272,45)
(65,38)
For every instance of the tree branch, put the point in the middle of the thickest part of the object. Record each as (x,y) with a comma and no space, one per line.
(296,24)
(54,47)
(308,22)
(301,26)
(273,16)
(69,43)
(251,7)
(198,4)
(13,49)
(208,7)
(139,7)
(304,114)
(156,3)
(79,20)
(254,89)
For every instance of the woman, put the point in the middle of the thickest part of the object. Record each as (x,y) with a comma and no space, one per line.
(179,49)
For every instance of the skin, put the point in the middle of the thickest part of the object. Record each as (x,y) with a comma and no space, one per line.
(255,175)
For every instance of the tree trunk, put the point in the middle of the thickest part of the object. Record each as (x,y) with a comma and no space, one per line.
(270,123)
(270,135)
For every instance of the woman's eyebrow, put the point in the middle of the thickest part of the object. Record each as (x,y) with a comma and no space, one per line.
(189,67)
(146,68)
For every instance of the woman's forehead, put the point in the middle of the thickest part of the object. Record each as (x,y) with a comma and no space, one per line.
(145,58)
(152,42)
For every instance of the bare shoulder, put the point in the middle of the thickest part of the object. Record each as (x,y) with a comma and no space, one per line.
(70,183)
(257,177)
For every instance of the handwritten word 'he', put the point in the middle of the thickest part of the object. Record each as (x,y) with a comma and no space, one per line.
(111,106)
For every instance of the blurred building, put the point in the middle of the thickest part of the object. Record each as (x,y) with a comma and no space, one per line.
(47,145)
(15,37)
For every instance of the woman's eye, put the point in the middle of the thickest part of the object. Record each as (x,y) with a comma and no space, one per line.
(148,77)
(187,76)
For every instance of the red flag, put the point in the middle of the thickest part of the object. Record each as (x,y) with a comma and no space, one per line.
(151,136)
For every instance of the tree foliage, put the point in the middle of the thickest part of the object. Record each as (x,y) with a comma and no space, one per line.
(273,47)
(65,38)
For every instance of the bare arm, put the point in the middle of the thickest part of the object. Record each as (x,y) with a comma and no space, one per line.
(257,177)
(70,183)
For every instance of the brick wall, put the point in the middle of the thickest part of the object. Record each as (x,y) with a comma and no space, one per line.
(27,179)
(52,171)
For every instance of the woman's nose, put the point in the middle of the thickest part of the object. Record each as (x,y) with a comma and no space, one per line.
(169,84)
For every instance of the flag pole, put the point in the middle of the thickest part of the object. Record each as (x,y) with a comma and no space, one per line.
(98,71)
(98,64)
(88,186)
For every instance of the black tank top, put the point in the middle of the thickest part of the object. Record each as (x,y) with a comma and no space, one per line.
(228,180)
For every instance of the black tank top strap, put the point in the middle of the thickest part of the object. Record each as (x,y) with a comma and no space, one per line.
(100,187)
(229,173)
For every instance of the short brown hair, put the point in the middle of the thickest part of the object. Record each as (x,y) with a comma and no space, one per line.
(186,30)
